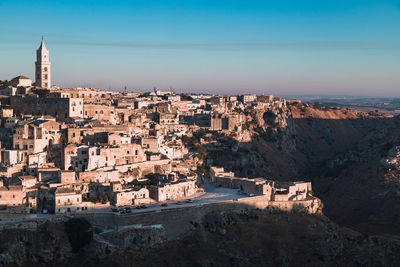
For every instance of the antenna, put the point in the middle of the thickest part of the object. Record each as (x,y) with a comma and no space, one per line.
(125,90)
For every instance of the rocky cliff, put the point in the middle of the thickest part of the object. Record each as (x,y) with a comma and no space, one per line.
(221,238)
(339,150)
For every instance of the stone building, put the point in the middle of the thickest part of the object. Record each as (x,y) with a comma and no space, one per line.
(26,181)
(275,191)
(67,200)
(248,98)
(35,136)
(100,112)
(47,104)
(11,157)
(88,158)
(150,143)
(175,190)
(291,191)
(230,122)
(130,196)
(99,176)
(13,195)
(21,81)
(67,177)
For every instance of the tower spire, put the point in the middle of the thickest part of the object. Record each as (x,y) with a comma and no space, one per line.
(42,69)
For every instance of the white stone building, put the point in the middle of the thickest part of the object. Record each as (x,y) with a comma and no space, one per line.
(21,81)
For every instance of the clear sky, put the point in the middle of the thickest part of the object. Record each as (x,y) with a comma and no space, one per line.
(228,46)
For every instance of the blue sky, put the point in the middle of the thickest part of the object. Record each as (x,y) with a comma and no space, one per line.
(281,47)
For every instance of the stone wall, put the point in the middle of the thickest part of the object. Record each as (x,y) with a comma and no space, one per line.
(175,222)
(179,221)
(136,236)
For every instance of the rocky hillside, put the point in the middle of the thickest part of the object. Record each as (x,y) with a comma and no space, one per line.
(246,238)
(339,150)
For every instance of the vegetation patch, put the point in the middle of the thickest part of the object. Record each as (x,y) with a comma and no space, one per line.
(79,233)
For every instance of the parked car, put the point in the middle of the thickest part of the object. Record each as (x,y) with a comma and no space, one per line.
(164,205)
(189,201)
(143,207)
(178,203)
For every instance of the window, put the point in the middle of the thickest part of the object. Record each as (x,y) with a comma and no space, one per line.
(45,69)
(46,76)
(77,199)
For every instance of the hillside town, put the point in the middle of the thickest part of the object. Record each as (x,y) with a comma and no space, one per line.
(77,150)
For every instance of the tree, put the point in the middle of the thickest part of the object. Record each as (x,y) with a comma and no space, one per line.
(185,97)
(317,105)
(79,233)
(4,82)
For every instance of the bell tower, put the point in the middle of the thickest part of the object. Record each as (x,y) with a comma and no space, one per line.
(42,71)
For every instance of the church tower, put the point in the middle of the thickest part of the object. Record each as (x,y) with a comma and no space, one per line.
(42,71)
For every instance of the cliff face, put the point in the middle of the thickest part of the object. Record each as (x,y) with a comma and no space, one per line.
(23,247)
(339,150)
(221,238)
(51,243)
